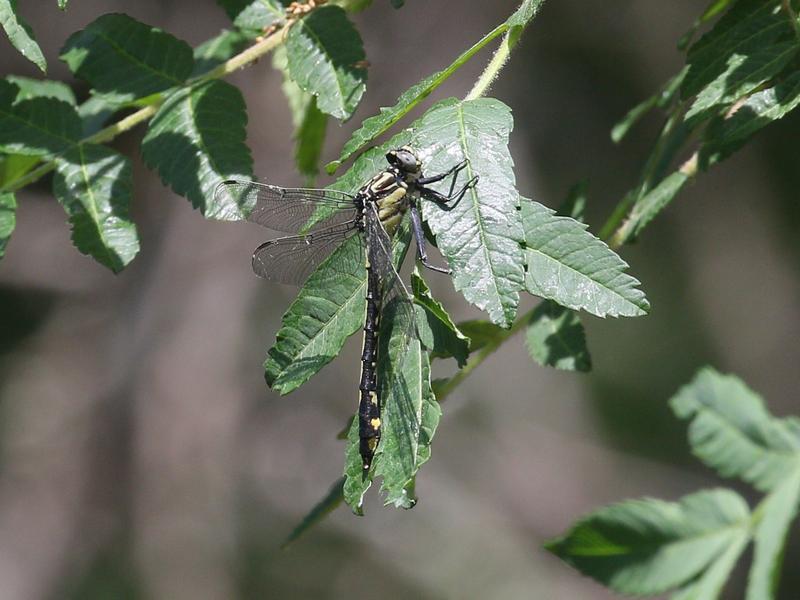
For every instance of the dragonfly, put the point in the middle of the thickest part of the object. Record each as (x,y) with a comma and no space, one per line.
(373,213)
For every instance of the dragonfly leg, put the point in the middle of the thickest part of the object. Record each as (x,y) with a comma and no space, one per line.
(435,178)
(419,235)
(451,199)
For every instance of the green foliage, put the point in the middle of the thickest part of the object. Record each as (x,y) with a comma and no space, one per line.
(8,219)
(555,338)
(93,184)
(479,237)
(648,547)
(567,264)
(20,35)
(438,332)
(125,59)
(193,154)
(324,56)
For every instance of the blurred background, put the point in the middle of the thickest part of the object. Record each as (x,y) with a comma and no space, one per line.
(142,455)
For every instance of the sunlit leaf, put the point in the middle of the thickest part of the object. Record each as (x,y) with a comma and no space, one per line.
(126,59)
(20,35)
(41,88)
(93,184)
(325,55)
(568,264)
(217,50)
(196,140)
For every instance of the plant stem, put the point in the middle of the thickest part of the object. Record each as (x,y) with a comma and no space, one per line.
(479,357)
(499,60)
(244,58)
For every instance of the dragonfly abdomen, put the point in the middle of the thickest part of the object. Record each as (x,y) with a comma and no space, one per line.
(369,409)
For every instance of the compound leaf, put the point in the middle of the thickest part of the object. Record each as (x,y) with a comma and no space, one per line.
(732,432)
(20,35)
(647,547)
(126,59)
(480,236)
(569,265)
(36,126)
(93,184)
(325,54)
(197,140)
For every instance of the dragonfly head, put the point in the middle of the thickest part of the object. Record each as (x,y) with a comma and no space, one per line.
(405,161)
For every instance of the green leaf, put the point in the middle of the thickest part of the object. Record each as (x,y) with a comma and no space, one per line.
(125,59)
(375,126)
(744,74)
(568,264)
(254,15)
(574,206)
(328,310)
(62,4)
(325,52)
(197,140)
(480,236)
(726,135)
(647,547)
(14,166)
(95,113)
(709,584)
(660,100)
(20,35)
(555,338)
(439,334)
(776,515)
(217,50)
(747,28)
(482,333)
(649,206)
(8,219)
(93,184)
(36,126)
(321,509)
(310,124)
(732,432)
(41,88)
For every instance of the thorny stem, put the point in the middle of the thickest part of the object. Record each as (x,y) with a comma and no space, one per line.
(244,58)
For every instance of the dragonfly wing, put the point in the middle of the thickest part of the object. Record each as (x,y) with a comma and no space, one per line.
(292,259)
(288,209)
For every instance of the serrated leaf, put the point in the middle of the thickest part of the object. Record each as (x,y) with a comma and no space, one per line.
(217,50)
(254,15)
(439,333)
(481,236)
(197,140)
(93,184)
(36,126)
(708,585)
(776,515)
(744,74)
(732,432)
(325,52)
(749,26)
(568,264)
(647,547)
(555,338)
(726,135)
(8,219)
(328,310)
(41,88)
(321,509)
(310,124)
(20,35)
(126,59)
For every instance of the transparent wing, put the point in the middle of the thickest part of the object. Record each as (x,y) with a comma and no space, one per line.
(288,209)
(292,259)
(398,330)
